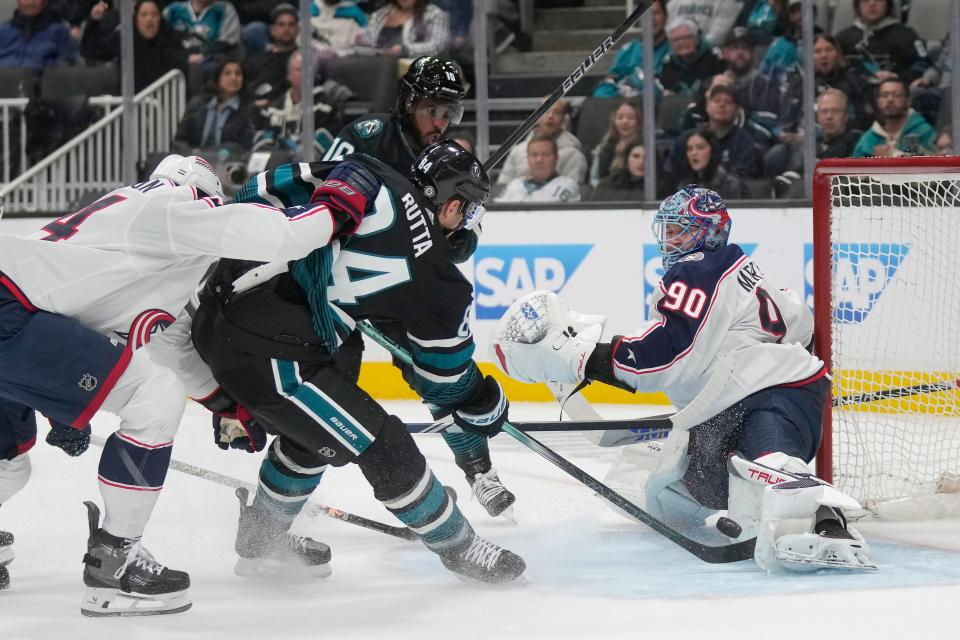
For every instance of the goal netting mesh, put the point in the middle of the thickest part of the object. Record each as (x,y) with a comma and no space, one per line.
(895,302)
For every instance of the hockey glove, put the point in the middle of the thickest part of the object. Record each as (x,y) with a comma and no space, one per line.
(73,441)
(349,188)
(234,427)
(486,411)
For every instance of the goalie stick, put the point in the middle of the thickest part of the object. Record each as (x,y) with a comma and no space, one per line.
(720,554)
(312,508)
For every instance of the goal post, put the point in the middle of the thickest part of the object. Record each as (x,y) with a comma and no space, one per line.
(886,282)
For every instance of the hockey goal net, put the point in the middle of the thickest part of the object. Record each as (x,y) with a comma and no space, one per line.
(886,280)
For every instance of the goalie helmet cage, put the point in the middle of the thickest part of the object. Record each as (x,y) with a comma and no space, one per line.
(886,305)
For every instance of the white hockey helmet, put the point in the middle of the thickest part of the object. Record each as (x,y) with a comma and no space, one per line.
(192,171)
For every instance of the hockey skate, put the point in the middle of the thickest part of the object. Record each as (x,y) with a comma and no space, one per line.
(123,579)
(832,545)
(266,550)
(6,557)
(492,495)
(484,561)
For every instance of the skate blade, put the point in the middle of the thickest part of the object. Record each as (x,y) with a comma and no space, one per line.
(799,562)
(509,515)
(101,603)
(266,568)
(520,581)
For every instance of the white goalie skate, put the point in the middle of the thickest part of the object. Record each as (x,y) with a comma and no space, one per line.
(796,517)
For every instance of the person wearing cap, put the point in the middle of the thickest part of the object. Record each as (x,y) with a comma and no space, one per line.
(266,71)
(757,92)
(625,77)
(691,61)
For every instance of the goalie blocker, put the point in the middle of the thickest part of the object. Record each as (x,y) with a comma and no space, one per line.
(729,349)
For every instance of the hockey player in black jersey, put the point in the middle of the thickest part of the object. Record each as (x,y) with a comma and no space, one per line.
(269,337)
(430,99)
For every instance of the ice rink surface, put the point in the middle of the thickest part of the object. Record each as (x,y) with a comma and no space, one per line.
(592,573)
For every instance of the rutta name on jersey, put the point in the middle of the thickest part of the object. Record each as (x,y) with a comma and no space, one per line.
(419,231)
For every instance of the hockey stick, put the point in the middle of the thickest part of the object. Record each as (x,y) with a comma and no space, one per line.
(312,508)
(663,423)
(567,84)
(652,424)
(900,392)
(720,554)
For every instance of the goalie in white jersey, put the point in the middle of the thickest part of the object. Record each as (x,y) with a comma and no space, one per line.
(78,299)
(729,348)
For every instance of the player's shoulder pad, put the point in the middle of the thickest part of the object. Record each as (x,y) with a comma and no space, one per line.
(704,264)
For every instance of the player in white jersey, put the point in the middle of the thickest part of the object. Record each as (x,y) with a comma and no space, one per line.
(78,299)
(729,348)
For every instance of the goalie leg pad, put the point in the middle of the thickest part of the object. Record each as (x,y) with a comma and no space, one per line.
(540,338)
(777,499)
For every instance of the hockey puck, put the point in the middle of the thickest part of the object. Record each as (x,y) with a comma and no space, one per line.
(729,528)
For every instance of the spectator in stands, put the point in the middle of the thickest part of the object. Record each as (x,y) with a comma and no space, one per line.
(265,73)
(280,119)
(783,56)
(210,30)
(881,44)
(834,139)
(702,167)
(832,71)
(337,23)
(156,49)
(714,18)
(220,116)
(461,15)
(544,184)
(627,183)
(763,22)
(626,128)
(691,61)
(737,149)
(407,28)
(571,161)
(35,37)
(898,130)
(757,92)
(625,77)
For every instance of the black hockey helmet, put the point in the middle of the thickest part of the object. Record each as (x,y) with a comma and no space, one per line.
(445,171)
(435,79)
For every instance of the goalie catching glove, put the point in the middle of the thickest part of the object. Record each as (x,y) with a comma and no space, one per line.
(234,427)
(541,339)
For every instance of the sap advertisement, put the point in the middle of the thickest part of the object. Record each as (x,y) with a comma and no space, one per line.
(604,261)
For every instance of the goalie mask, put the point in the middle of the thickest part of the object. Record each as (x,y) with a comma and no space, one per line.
(189,171)
(692,219)
(446,171)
